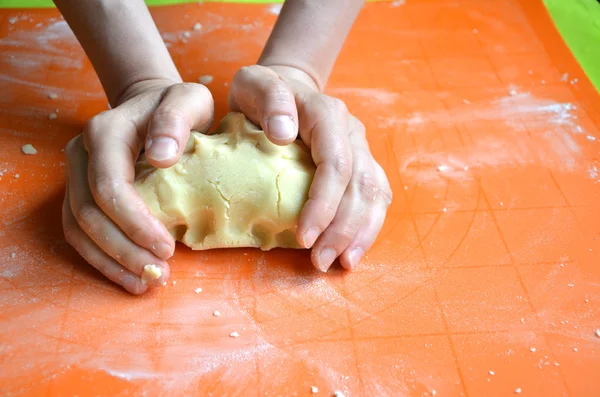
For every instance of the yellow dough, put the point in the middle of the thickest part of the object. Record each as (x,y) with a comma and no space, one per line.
(231,189)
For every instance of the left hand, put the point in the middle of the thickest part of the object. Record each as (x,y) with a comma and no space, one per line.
(350,193)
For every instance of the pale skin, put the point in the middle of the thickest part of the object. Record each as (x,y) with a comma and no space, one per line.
(104,218)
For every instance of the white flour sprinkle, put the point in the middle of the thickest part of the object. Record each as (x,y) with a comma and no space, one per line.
(206,79)
(28,149)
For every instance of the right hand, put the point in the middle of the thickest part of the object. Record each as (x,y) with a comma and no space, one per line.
(103,216)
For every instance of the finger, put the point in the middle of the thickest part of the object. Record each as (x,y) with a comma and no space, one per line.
(99,228)
(324,127)
(94,255)
(184,107)
(358,198)
(369,230)
(266,100)
(113,145)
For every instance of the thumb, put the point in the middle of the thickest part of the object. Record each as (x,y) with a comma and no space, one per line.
(183,107)
(266,100)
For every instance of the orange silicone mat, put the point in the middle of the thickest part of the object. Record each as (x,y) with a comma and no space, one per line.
(485,280)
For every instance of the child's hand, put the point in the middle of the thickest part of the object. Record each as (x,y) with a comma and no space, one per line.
(350,193)
(103,216)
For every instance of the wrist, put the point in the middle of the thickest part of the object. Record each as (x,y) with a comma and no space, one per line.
(302,74)
(141,86)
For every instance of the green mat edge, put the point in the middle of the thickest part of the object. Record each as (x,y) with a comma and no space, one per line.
(578,22)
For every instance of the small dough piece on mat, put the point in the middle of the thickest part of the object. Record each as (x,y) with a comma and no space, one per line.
(231,189)
(151,272)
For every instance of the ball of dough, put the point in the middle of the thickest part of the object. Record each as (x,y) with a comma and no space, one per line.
(231,189)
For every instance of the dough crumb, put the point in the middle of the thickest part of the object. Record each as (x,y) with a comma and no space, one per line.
(187,34)
(173,282)
(234,334)
(206,79)
(314,389)
(151,272)
(13,20)
(52,95)
(197,26)
(518,390)
(338,393)
(28,149)
(13,255)
(198,290)
(598,332)
(570,285)
(17,176)
(491,373)
(532,349)
(164,283)
(217,313)
(575,349)
(433,392)
(52,116)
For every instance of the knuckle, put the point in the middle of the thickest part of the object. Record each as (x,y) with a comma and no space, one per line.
(88,217)
(94,127)
(138,234)
(129,259)
(105,191)
(342,167)
(70,234)
(386,195)
(243,73)
(170,112)
(324,212)
(346,230)
(367,185)
(337,105)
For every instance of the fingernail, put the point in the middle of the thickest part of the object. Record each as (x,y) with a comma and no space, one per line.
(326,258)
(162,250)
(161,149)
(310,237)
(281,127)
(354,257)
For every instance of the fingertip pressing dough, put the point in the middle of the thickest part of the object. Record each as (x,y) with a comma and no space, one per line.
(231,189)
